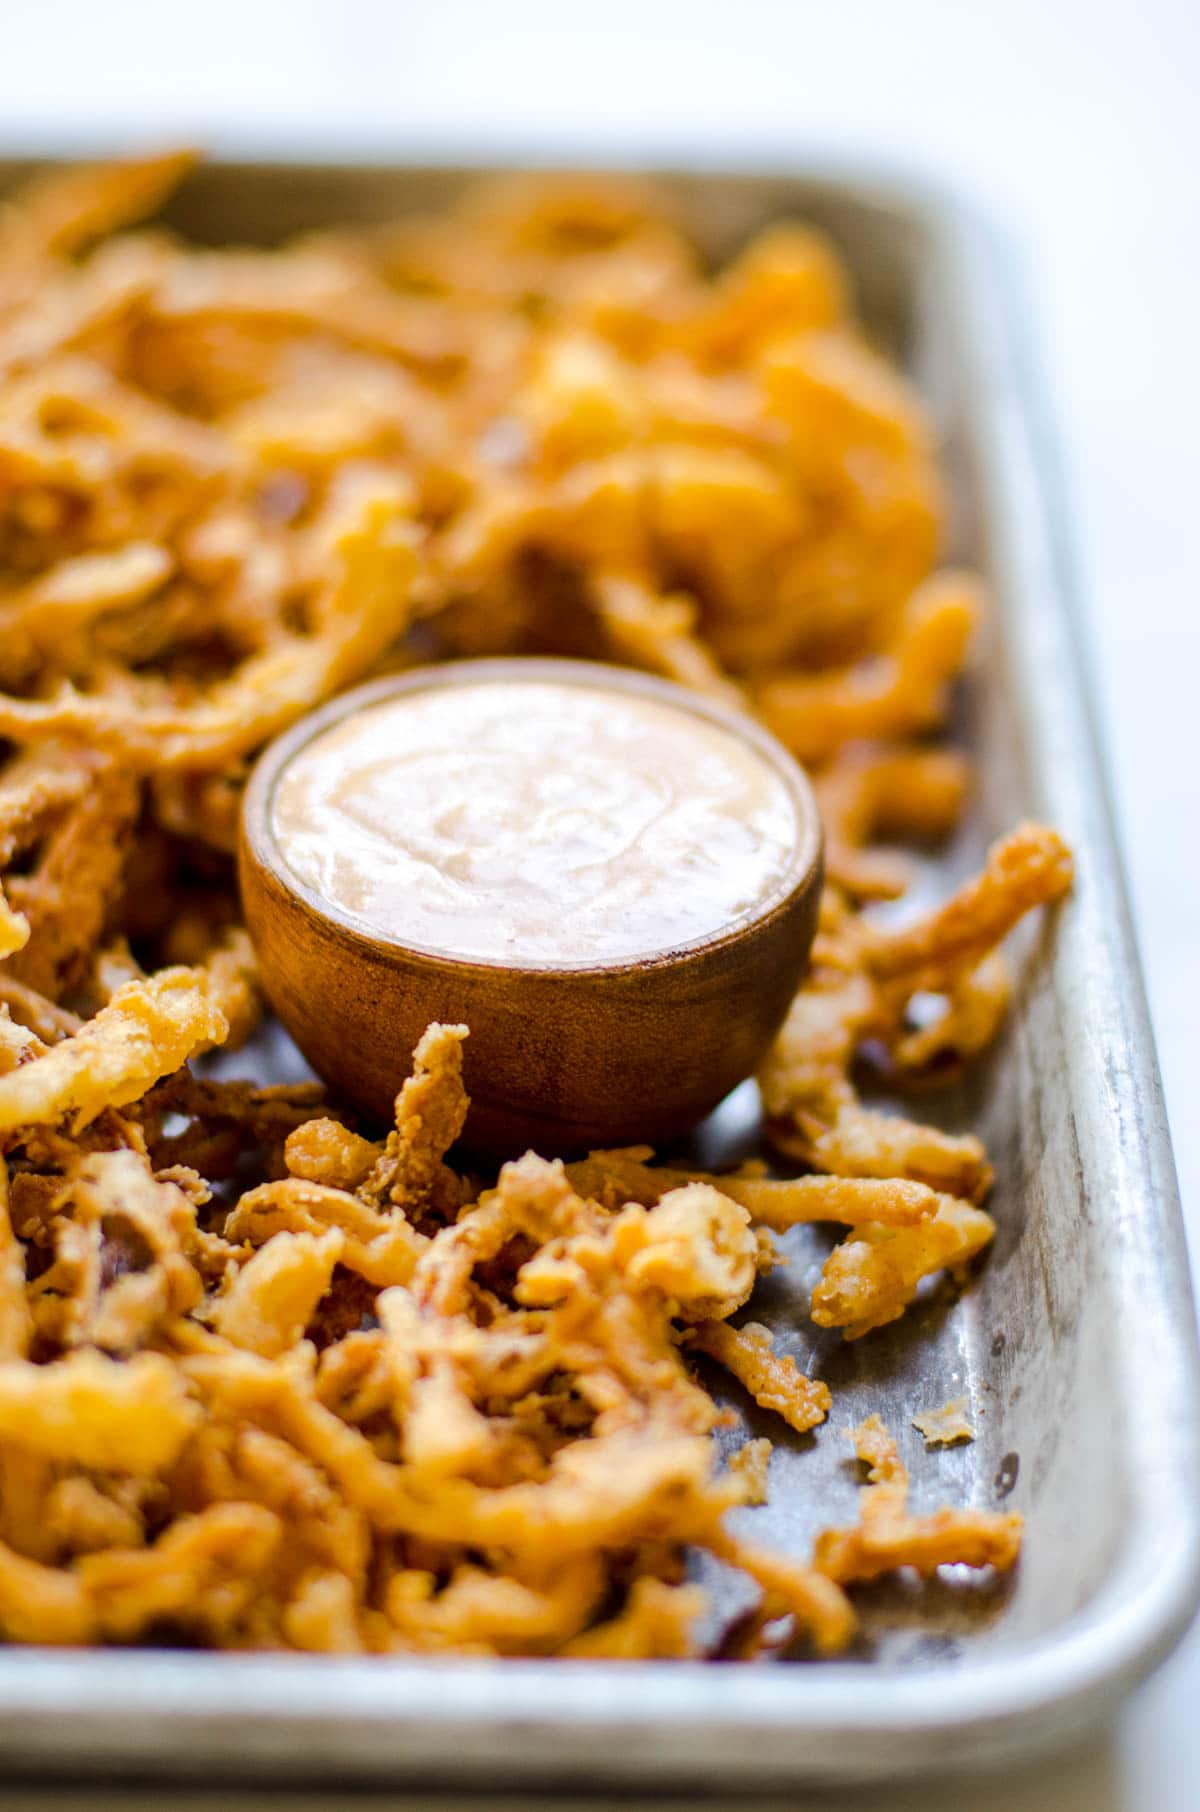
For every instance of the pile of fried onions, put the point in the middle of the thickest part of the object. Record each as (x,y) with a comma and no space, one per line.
(267,1379)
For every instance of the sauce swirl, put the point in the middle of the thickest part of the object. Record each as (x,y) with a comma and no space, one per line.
(536,823)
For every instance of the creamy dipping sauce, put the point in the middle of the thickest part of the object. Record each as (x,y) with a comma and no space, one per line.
(536,823)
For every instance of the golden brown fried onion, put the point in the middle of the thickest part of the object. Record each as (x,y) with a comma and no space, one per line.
(271,1379)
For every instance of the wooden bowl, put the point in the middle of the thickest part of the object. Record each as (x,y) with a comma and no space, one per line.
(559,1059)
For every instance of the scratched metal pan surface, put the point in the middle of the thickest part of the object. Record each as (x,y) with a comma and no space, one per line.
(1075,1344)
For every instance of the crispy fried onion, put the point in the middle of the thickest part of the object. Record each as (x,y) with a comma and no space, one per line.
(889,1536)
(515,1390)
(861,989)
(506,1435)
(148,1029)
(272,1378)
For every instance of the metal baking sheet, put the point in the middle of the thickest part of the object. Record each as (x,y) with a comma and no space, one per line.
(1075,1345)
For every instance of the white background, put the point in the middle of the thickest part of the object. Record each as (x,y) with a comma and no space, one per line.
(1077,123)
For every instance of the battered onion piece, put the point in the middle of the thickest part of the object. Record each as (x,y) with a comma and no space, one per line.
(90,1411)
(325,1151)
(67,900)
(46,1020)
(46,623)
(869,791)
(895,694)
(859,991)
(974,1011)
(431,1110)
(60,212)
(147,1030)
(658,1620)
(15,1321)
(14,928)
(366,608)
(17,1043)
(1030,867)
(42,1604)
(272,1380)
(888,1536)
(129,1256)
(659,634)
(751,1462)
(808,1594)
(381,1248)
(857,1141)
(695,1246)
(772,1202)
(774,1381)
(202,1575)
(272,1299)
(871,1278)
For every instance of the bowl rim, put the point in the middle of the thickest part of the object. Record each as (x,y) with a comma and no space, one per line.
(259,843)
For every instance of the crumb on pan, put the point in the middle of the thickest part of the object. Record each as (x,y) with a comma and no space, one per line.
(750,1462)
(943,1427)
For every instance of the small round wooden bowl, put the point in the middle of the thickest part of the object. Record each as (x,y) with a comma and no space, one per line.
(562,1059)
